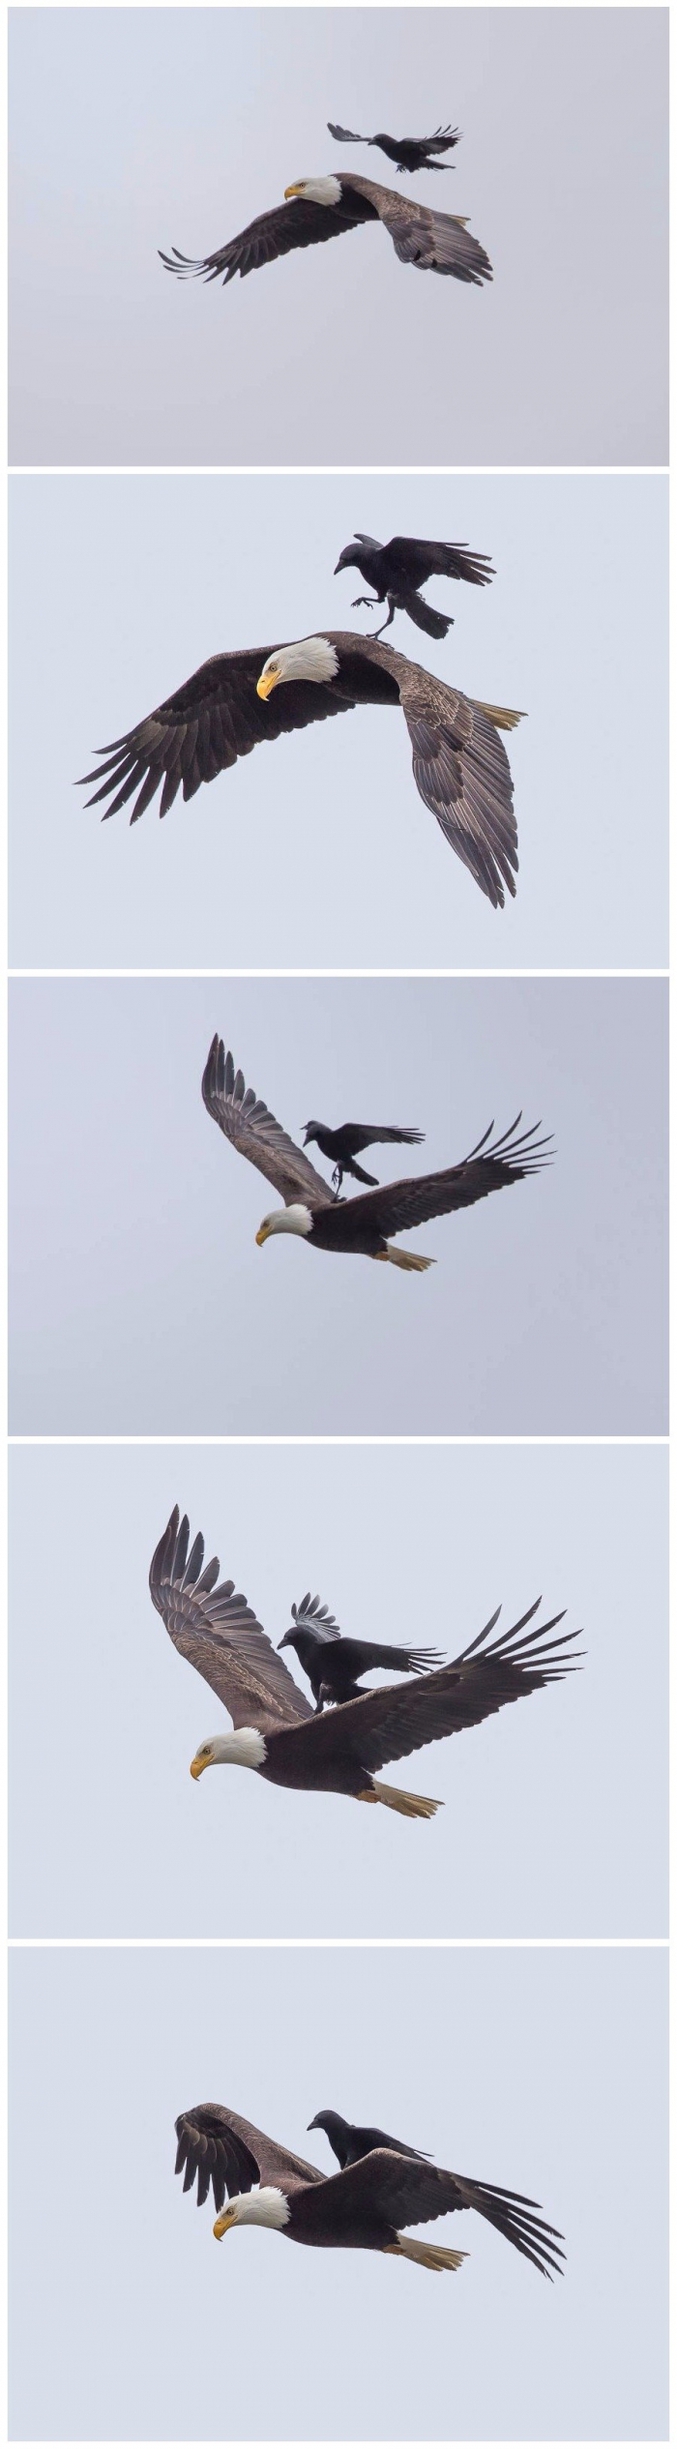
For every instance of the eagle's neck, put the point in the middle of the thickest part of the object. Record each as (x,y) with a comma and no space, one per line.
(244,1749)
(266,2208)
(320,191)
(294,1219)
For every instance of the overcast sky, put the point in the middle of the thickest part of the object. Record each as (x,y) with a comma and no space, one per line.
(320,852)
(407,1544)
(140,1301)
(134,129)
(539,2070)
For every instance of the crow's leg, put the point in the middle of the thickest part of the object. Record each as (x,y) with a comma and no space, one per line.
(337,1178)
(365,599)
(392,608)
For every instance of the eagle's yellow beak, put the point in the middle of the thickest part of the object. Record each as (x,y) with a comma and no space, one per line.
(262,1236)
(295,190)
(197,1765)
(224,2221)
(267,682)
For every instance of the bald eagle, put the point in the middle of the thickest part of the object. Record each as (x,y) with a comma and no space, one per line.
(270,2187)
(315,209)
(342,1146)
(235,701)
(409,152)
(399,569)
(359,1227)
(332,1664)
(276,1732)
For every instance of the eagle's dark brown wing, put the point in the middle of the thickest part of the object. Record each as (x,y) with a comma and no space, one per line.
(459,762)
(462,772)
(228,2153)
(211,1624)
(394,1206)
(398,1719)
(406,2192)
(296,223)
(434,242)
(256,1134)
(213,719)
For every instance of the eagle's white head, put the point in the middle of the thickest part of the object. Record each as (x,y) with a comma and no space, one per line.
(315,191)
(244,1749)
(265,2207)
(306,659)
(294,1219)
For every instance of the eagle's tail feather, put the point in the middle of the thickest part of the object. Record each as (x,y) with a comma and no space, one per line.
(431,2257)
(412,1806)
(412,1264)
(504,717)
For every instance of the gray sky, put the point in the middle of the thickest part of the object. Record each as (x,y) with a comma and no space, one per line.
(319,852)
(140,1302)
(539,2070)
(134,129)
(536,1837)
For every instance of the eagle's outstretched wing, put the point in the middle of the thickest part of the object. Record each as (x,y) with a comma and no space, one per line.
(297,223)
(253,1130)
(212,1625)
(406,2192)
(397,1719)
(228,2153)
(434,242)
(396,1206)
(214,718)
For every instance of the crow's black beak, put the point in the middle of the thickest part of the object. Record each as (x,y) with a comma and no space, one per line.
(286,1638)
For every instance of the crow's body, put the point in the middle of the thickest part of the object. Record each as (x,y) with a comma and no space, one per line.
(398,570)
(343,1146)
(332,1665)
(408,152)
(351,2143)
